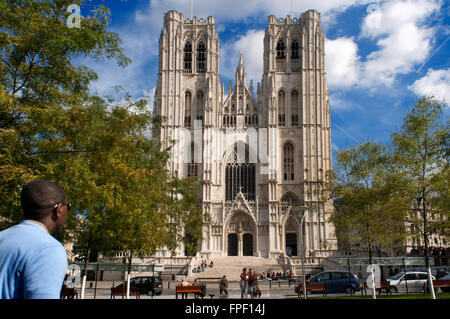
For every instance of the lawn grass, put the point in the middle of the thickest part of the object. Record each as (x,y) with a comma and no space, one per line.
(440,295)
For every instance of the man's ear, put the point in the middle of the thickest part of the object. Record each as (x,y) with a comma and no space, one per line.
(57,212)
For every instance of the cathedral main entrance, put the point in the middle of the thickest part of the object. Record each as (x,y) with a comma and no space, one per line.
(247,241)
(291,244)
(241,231)
(232,245)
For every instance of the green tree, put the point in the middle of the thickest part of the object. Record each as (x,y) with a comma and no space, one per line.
(114,173)
(421,161)
(362,194)
(187,217)
(98,150)
(38,81)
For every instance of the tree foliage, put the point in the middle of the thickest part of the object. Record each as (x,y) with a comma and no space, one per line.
(363,195)
(38,80)
(385,194)
(421,154)
(100,151)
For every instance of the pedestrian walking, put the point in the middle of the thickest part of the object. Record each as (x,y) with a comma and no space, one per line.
(244,284)
(223,285)
(33,263)
(252,283)
(203,265)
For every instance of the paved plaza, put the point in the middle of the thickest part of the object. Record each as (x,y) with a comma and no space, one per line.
(234,292)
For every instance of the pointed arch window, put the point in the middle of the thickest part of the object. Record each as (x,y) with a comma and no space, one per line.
(294,108)
(201,57)
(187,109)
(188,57)
(295,49)
(240,174)
(281,108)
(290,199)
(280,49)
(255,120)
(288,161)
(226,120)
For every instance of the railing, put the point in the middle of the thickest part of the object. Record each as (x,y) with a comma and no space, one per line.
(284,21)
(198,21)
(158,260)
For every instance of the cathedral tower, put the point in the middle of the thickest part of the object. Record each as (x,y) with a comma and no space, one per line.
(297,114)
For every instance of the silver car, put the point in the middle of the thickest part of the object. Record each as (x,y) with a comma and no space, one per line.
(409,281)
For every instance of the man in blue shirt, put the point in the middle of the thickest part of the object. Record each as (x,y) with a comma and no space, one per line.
(33,264)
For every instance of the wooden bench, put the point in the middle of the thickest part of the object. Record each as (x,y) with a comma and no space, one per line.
(437,283)
(121,291)
(69,293)
(197,290)
(384,285)
(312,287)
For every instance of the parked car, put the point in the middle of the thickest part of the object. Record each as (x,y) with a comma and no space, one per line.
(146,284)
(413,281)
(437,271)
(336,281)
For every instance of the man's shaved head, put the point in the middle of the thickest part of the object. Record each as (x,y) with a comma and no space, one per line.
(38,198)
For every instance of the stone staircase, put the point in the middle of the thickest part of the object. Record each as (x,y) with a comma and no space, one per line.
(232,267)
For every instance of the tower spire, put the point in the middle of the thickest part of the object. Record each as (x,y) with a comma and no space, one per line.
(240,70)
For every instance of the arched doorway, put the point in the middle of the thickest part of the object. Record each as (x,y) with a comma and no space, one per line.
(232,245)
(240,234)
(291,236)
(247,249)
(291,244)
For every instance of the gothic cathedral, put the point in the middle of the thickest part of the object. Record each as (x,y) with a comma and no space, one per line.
(262,156)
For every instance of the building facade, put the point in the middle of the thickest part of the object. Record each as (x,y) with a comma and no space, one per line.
(262,155)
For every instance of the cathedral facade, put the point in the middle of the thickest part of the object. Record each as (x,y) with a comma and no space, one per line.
(262,153)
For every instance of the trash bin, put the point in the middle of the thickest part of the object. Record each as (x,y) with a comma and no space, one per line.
(203,290)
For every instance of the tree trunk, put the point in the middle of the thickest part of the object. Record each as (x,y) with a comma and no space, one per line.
(86,264)
(426,248)
(129,273)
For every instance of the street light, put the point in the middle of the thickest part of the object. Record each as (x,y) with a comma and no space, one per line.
(302,251)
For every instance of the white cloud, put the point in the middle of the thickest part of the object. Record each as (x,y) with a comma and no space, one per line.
(403,38)
(141,33)
(341,62)
(237,9)
(435,83)
(251,45)
(397,26)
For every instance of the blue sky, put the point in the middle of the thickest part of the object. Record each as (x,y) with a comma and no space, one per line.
(381,56)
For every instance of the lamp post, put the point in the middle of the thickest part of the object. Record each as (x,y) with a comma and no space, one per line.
(302,252)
